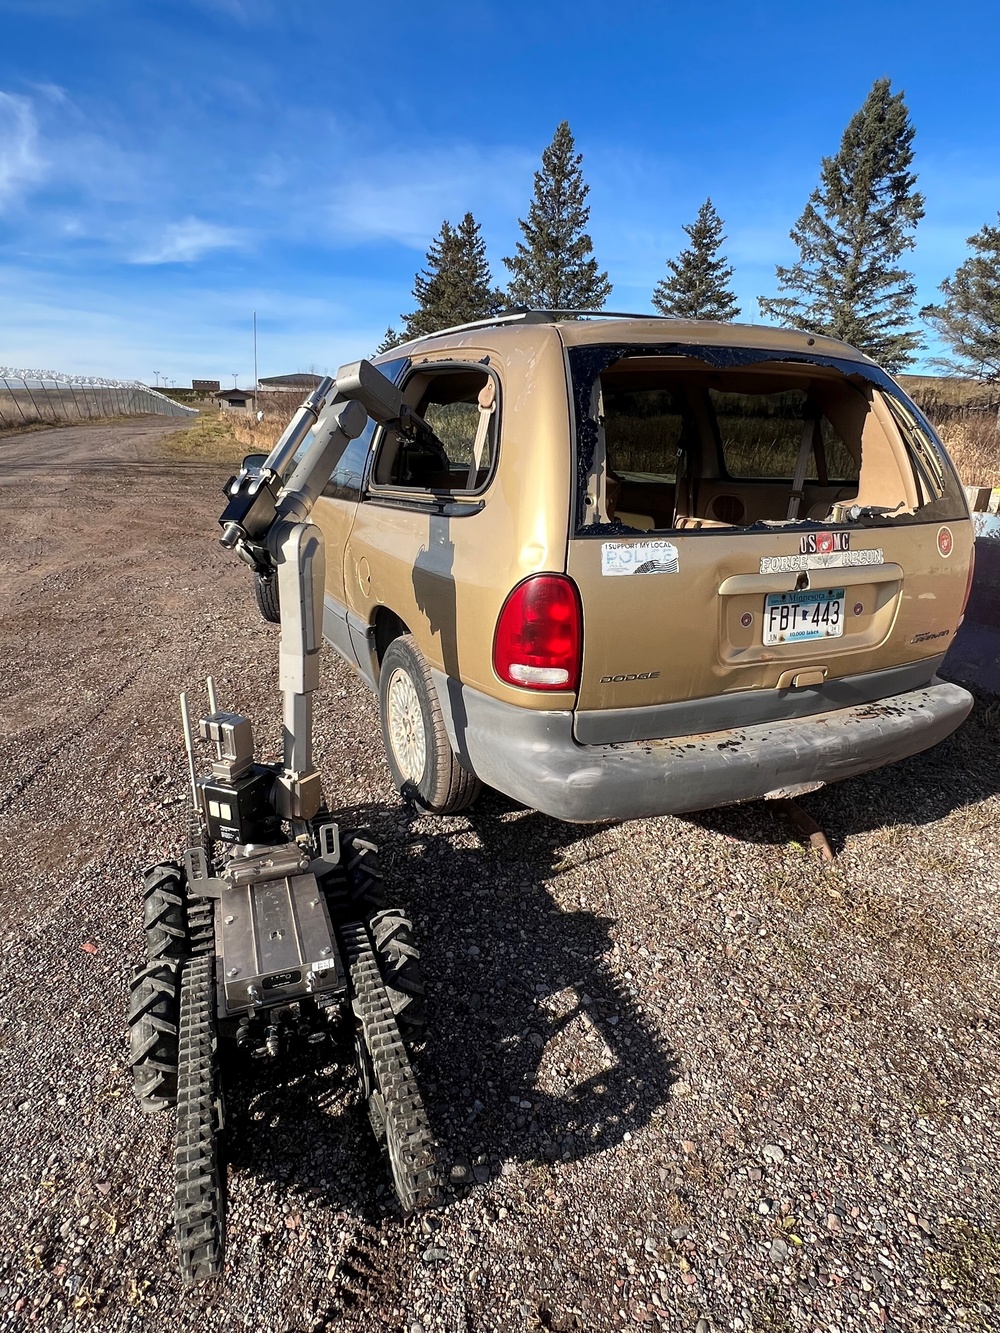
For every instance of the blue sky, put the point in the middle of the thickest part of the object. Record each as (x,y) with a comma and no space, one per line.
(168,166)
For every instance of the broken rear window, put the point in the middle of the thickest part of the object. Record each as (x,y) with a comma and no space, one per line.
(680,437)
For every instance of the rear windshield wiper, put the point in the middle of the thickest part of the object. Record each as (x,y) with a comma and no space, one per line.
(854,513)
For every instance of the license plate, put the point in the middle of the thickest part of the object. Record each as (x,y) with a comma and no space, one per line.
(793,617)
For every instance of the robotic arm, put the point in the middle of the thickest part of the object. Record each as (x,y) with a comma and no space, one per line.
(266,522)
(334,413)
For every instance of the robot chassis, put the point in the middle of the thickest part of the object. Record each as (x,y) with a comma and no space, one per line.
(273,926)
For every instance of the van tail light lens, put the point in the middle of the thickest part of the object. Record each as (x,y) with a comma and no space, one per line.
(968,586)
(539,634)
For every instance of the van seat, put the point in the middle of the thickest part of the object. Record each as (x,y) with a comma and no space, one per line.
(645,522)
(689,521)
(819,513)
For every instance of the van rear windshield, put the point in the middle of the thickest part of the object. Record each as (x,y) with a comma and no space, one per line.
(686,438)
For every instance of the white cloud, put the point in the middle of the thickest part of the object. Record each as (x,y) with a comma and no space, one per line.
(184,242)
(21,161)
(405,197)
(199,330)
(243,11)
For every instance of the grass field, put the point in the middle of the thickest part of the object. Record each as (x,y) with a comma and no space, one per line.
(966,415)
(209,440)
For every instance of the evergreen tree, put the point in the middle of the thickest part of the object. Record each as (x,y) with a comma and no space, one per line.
(855,227)
(392,339)
(456,286)
(554,266)
(969,318)
(698,285)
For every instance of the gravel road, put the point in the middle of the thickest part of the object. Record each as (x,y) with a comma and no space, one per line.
(698,1079)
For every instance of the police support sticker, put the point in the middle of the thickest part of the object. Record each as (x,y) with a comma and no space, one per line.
(649,557)
(945,541)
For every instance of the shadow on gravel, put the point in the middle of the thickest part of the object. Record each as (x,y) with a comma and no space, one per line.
(534,1052)
(300,1124)
(961,771)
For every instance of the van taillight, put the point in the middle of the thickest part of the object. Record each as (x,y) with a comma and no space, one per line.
(539,634)
(968,586)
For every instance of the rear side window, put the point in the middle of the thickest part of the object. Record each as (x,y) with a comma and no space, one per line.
(453,445)
(762,434)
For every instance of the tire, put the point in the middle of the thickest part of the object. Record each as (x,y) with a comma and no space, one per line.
(354,891)
(266,592)
(152,1024)
(360,859)
(423,765)
(165,912)
(399,963)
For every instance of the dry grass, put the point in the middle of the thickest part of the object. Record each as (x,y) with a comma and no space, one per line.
(969,1265)
(973,441)
(38,423)
(225,437)
(966,414)
(930,391)
(209,440)
(255,436)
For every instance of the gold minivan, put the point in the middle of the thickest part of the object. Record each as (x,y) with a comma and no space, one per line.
(629,566)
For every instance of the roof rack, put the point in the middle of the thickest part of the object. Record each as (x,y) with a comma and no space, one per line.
(525,315)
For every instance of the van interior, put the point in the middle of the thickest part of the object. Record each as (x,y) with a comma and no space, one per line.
(681,445)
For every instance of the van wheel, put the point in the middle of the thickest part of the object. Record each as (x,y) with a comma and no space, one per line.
(266,592)
(424,766)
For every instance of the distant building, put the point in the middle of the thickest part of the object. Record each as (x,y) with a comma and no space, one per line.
(206,386)
(234,400)
(302,379)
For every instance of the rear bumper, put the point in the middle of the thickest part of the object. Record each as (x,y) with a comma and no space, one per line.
(532,756)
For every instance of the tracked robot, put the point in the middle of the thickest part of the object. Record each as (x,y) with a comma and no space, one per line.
(272,929)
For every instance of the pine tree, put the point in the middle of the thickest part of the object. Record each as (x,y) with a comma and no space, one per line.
(554,267)
(969,318)
(855,227)
(698,286)
(456,287)
(392,339)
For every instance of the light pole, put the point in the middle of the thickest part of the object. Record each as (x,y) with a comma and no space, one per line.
(156,377)
(255,362)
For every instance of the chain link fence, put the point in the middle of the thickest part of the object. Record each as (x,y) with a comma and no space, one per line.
(31,396)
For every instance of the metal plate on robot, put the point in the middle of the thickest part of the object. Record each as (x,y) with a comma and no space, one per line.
(277,939)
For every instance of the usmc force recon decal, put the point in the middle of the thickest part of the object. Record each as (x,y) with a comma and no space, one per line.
(787,564)
(651,557)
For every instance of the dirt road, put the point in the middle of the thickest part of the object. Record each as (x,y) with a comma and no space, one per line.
(699,1080)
